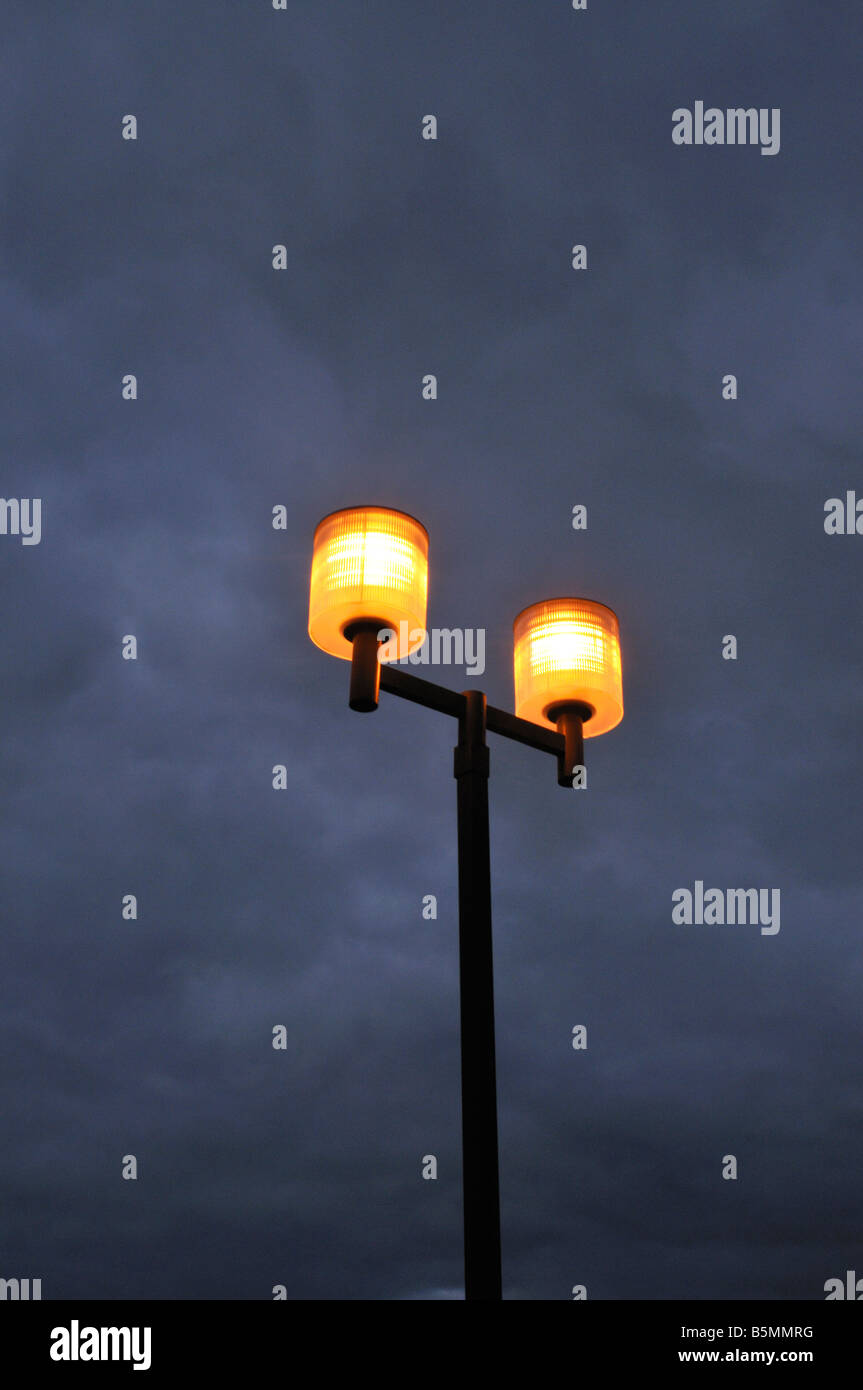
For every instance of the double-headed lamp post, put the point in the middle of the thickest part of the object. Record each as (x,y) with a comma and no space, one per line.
(368,604)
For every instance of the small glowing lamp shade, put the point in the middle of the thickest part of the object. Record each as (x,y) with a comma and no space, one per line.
(370,564)
(567,650)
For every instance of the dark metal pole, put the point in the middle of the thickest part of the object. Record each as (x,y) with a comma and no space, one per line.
(481,1188)
(570,720)
(482,1262)
(365,667)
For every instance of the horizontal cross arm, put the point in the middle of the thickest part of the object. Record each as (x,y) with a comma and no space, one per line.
(421,692)
(499,721)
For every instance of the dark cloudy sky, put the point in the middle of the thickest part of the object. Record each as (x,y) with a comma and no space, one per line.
(303,907)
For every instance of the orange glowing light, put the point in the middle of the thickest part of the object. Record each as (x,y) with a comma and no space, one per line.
(567,650)
(369,564)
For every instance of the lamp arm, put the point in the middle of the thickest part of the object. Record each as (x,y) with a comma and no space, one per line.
(498,721)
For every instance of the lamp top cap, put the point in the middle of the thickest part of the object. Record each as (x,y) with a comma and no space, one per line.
(567,598)
(373,507)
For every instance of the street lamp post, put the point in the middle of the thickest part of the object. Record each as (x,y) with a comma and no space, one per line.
(368,598)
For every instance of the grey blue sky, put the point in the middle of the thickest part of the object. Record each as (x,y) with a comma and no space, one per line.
(303,907)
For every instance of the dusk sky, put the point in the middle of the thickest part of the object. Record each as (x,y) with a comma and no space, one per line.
(302,387)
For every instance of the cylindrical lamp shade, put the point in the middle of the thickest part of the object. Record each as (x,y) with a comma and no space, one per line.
(370,564)
(567,651)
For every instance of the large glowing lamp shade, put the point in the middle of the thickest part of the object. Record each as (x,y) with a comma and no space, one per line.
(370,565)
(567,652)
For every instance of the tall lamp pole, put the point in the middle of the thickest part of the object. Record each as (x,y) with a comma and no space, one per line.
(368,604)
